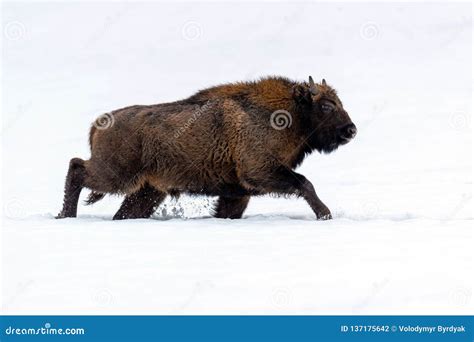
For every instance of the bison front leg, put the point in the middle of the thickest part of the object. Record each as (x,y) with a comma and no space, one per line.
(232,208)
(140,204)
(285,181)
(309,194)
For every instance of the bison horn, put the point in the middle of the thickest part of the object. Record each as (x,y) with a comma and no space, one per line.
(323,82)
(312,86)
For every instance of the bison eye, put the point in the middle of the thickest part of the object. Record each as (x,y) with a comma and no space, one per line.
(326,108)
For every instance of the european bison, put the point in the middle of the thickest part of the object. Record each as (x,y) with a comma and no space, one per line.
(234,141)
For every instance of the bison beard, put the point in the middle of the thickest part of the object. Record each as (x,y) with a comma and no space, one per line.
(225,141)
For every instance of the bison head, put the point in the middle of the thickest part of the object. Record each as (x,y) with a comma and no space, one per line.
(327,123)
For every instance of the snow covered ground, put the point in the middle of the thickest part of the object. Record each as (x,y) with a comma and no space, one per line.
(401,241)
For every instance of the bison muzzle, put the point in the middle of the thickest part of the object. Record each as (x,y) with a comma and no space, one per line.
(233,141)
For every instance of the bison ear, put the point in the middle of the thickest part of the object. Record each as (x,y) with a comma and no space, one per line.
(323,82)
(302,94)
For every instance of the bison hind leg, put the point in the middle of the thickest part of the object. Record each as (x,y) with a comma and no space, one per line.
(232,208)
(74,183)
(140,204)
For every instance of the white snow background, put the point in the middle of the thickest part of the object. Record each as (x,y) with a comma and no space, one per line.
(401,241)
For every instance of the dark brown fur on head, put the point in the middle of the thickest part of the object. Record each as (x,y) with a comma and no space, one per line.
(324,114)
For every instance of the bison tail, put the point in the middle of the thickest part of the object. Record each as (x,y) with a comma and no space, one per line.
(94,197)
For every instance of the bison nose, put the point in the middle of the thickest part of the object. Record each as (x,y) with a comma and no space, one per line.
(348,131)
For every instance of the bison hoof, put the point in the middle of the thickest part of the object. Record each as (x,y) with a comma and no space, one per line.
(64,214)
(325,217)
(324,214)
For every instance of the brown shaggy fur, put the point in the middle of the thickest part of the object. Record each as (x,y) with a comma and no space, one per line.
(227,141)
